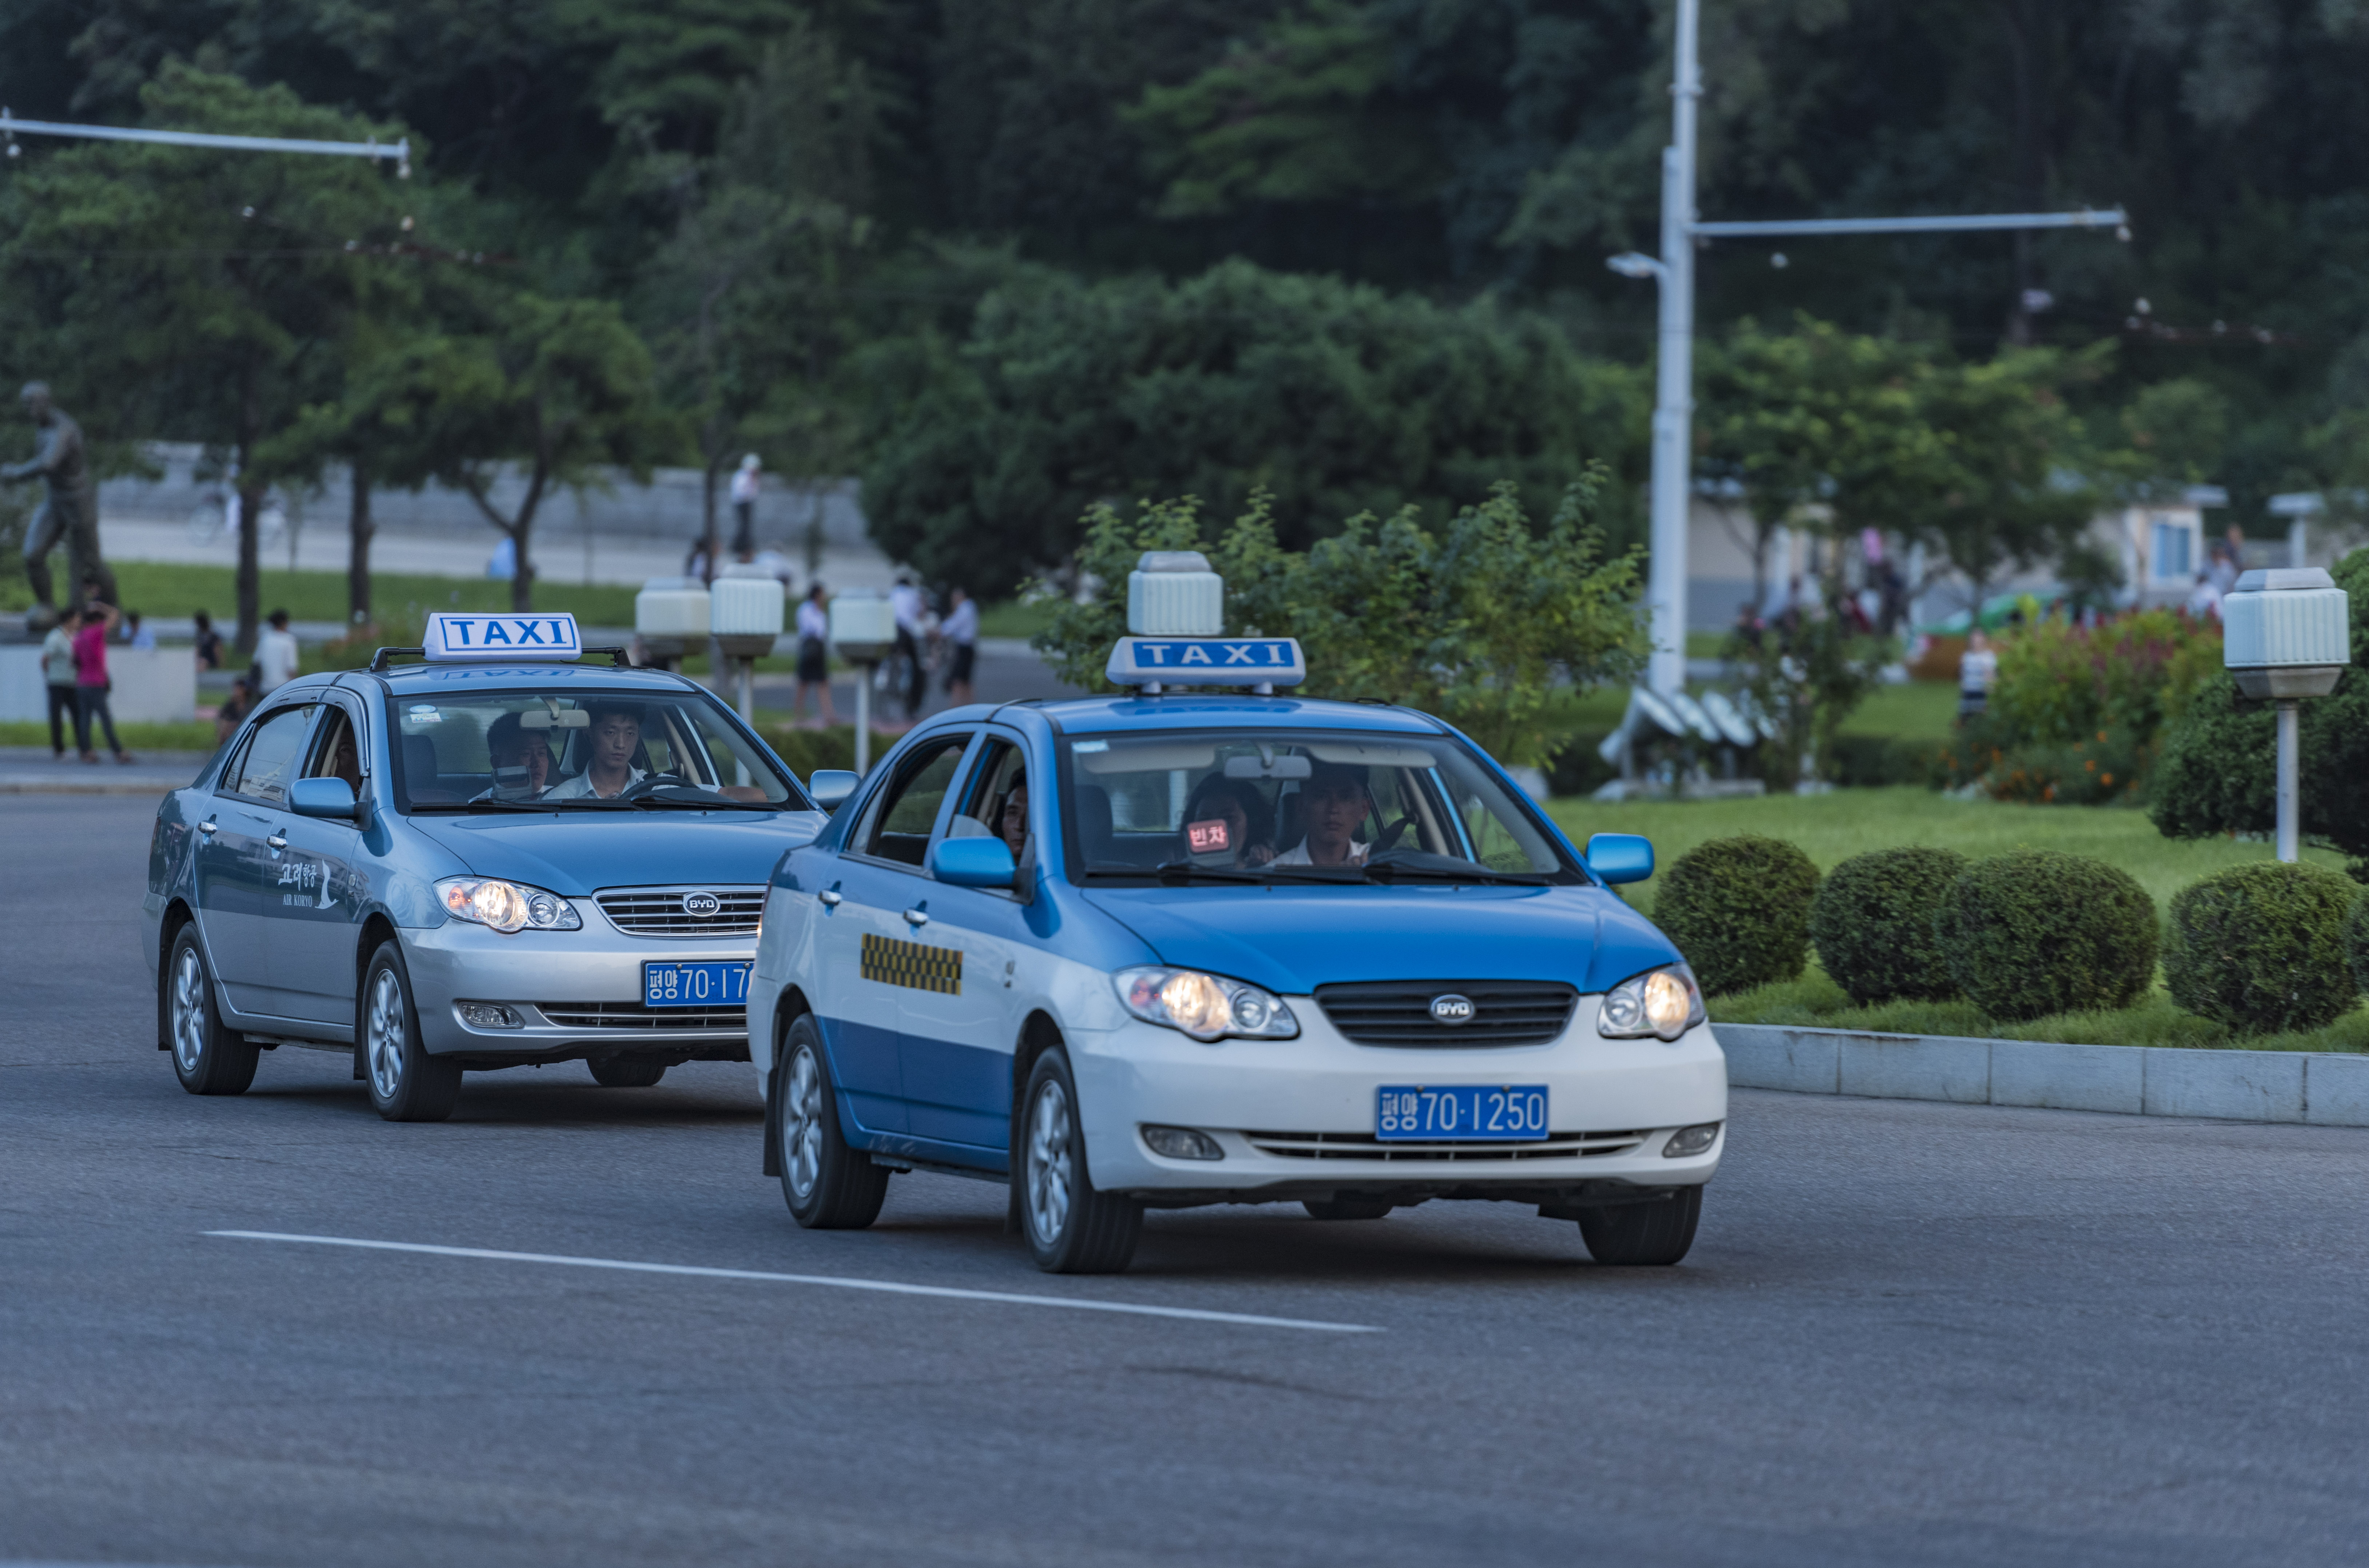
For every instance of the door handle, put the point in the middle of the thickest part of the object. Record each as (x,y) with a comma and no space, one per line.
(829,900)
(916,917)
(207,828)
(278,841)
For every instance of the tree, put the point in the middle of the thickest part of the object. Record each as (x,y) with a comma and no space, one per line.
(1333,398)
(199,294)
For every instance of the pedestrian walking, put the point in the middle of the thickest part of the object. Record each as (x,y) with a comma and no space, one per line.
(209,642)
(1976,670)
(136,636)
(814,655)
(275,657)
(91,682)
(912,610)
(233,710)
(744,485)
(58,676)
(960,629)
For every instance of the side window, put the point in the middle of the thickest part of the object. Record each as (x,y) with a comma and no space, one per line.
(899,829)
(994,799)
(270,760)
(335,753)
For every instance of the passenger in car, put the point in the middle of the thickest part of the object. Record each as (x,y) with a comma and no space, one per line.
(522,766)
(1250,823)
(1013,823)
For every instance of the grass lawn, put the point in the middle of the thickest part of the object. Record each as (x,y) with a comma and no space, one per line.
(173,589)
(1832,827)
(195,737)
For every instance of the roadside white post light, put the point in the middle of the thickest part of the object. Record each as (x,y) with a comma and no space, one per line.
(669,615)
(863,630)
(744,616)
(2287,634)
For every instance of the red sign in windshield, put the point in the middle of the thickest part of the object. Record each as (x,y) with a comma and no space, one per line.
(1207,837)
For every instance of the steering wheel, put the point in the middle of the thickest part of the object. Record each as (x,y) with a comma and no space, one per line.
(1390,834)
(650,782)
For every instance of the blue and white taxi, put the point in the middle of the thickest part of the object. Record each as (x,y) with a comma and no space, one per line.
(499,857)
(1189,947)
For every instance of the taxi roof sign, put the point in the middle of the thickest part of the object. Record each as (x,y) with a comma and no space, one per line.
(1155,662)
(468,637)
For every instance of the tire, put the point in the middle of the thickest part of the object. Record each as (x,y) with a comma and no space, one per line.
(626,1073)
(828,1185)
(1347,1208)
(1642,1234)
(407,1084)
(207,1058)
(1071,1228)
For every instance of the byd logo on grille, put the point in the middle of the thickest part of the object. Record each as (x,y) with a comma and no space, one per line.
(1451,1009)
(702,906)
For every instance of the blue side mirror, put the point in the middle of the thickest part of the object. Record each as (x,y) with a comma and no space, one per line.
(830,786)
(321,797)
(1621,857)
(973,863)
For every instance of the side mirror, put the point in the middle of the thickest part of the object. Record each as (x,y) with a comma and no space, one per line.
(323,798)
(830,786)
(1621,857)
(973,863)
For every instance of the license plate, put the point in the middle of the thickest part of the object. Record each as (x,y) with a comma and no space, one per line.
(696,985)
(1467,1113)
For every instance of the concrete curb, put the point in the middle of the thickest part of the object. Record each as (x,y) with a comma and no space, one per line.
(2322,1089)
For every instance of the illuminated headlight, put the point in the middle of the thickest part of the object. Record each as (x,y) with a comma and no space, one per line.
(1665,1002)
(506,906)
(1207,1007)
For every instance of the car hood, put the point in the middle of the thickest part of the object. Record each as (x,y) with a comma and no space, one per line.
(573,855)
(1292,939)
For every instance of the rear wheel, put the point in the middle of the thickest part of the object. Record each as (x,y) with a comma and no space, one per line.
(626,1073)
(828,1186)
(1072,1228)
(1648,1234)
(1348,1207)
(207,1058)
(407,1084)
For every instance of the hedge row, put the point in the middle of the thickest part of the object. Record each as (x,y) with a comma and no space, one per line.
(2261,949)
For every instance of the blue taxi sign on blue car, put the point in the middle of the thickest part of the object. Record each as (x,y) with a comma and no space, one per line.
(456,637)
(1206,661)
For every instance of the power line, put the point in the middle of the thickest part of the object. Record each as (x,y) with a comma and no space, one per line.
(11,127)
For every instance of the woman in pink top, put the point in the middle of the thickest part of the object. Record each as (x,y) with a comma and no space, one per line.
(91,682)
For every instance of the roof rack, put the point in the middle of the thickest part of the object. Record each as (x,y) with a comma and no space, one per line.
(384,659)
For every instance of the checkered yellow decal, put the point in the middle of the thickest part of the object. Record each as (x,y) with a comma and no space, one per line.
(894,963)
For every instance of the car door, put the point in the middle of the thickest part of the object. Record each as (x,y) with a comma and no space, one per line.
(955,1052)
(319,885)
(239,861)
(867,954)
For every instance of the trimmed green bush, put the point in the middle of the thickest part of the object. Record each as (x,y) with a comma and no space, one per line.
(1739,911)
(2040,932)
(2356,940)
(2260,947)
(1873,924)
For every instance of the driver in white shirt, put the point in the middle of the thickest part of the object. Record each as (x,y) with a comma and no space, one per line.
(1332,802)
(616,735)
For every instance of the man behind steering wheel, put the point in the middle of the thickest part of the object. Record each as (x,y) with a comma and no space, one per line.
(616,735)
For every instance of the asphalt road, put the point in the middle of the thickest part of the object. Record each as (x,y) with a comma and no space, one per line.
(1908,1334)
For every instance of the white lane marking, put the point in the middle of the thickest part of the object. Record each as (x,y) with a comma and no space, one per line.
(836,1282)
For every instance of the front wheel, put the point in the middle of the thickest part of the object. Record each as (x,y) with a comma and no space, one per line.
(407,1084)
(1072,1228)
(1642,1234)
(207,1058)
(828,1186)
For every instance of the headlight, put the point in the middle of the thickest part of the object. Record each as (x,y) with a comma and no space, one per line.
(1666,1002)
(1207,1007)
(506,906)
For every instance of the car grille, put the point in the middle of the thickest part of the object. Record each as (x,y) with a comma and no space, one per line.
(1398,1013)
(1364,1146)
(633,1015)
(659,911)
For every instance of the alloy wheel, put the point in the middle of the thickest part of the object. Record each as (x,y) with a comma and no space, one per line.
(802,1123)
(386,1035)
(1049,1161)
(188,1010)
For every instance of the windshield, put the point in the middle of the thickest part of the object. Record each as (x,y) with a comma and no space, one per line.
(579,751)
(1283,806)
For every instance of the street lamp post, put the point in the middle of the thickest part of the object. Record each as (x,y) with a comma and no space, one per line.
(2287,635)
(1667,571)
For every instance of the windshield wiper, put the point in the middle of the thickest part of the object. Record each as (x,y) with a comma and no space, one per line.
(1389,872)
(1186,871)
(701,801)
(481,806)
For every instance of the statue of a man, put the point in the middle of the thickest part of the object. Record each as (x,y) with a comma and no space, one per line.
(70,511)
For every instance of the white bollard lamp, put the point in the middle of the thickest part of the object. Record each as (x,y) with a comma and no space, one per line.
(863,630)
(2287,634)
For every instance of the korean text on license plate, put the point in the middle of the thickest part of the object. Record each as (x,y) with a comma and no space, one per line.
(1473,1113)
(696,985)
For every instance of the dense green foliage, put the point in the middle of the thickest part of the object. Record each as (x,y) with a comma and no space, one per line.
(1873,926)
(2037,931)
(1739,911)
(1474,620)
(2356,941)
(2219,772)
(2261,948)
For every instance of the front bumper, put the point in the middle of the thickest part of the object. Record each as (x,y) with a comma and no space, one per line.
(1296,1117)
(578,991)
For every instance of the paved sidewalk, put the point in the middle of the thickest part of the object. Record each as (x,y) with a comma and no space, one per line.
(30,770)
